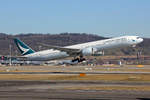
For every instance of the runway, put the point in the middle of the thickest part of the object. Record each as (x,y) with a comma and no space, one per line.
(64,73)
(61,90)
(66,83)
(126,69)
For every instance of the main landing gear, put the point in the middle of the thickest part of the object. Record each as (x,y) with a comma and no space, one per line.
(79,59)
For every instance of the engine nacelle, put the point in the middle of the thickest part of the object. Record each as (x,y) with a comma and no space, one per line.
(88,51)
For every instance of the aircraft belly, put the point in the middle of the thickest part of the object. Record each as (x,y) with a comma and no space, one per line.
(49,56)
(56,55)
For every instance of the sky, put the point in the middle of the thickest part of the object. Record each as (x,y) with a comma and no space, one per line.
(109,18)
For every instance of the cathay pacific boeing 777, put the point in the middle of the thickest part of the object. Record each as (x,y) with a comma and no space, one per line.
(78,50)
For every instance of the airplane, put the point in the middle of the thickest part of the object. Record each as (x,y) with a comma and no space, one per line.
(77,51)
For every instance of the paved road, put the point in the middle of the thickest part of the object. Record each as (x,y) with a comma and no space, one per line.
(55,90)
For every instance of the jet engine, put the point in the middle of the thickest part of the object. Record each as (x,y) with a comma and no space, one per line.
(88,51)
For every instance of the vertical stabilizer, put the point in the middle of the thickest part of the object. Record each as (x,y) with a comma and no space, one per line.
(23,48)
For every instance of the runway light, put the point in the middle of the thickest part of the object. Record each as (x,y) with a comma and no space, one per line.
(140,65)
(82,74)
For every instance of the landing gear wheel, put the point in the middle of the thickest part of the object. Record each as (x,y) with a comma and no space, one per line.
(79,59)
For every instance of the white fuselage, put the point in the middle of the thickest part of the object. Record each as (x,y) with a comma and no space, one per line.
(97,45)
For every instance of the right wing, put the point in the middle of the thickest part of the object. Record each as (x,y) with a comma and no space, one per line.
(69,51)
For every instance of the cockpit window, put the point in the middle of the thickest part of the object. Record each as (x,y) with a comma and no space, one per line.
(138,37)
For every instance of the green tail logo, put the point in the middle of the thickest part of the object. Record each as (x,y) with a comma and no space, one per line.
(23,48)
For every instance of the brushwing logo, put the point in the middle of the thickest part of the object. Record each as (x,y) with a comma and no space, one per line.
(23,49)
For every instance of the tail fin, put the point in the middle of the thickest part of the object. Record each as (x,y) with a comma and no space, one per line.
(23,48)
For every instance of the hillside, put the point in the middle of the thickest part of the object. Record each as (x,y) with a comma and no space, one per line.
(34,40)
